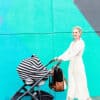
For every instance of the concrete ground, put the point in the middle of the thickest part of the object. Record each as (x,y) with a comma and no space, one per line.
(96,98)
(93,98)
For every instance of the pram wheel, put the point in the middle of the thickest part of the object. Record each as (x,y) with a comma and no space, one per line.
(18,94)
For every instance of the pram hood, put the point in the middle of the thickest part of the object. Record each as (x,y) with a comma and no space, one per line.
(31,68)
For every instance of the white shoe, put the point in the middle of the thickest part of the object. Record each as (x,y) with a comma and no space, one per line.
(89,98)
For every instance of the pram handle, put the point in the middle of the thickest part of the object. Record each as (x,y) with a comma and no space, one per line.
(59,62)
(53,60)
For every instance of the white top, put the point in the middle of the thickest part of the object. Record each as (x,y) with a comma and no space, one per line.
(76,48)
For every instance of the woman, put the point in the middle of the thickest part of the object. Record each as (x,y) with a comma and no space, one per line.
(77,83)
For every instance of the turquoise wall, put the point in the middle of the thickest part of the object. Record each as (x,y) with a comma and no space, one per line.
(43,27)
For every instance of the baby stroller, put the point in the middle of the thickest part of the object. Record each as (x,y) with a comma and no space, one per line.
(35,94)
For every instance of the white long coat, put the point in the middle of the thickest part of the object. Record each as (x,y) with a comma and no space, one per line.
(77,83)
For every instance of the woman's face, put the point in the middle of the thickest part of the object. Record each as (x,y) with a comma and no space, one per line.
(76,34)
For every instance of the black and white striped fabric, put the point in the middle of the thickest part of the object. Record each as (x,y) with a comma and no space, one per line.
(31,68)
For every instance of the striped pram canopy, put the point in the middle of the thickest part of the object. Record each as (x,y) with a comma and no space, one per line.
(31,68)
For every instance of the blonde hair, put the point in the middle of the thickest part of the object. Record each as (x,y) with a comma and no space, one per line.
(78,28)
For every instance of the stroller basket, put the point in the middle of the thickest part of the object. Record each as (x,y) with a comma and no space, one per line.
(45,96)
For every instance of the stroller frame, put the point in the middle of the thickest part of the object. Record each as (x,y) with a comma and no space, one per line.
(31,91)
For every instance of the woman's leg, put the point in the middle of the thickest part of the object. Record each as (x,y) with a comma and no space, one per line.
(71,86)
(81,86)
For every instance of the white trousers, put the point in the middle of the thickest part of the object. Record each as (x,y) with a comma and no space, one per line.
(77,83)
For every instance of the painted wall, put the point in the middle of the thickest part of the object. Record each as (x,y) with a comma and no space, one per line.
(43,27)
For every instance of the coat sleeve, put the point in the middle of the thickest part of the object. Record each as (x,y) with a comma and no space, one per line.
(71,51)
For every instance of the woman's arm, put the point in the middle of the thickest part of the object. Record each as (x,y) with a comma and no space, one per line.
(72,51)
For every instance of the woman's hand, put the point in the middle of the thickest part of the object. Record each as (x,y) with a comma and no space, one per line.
(57,59)
(51,71)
